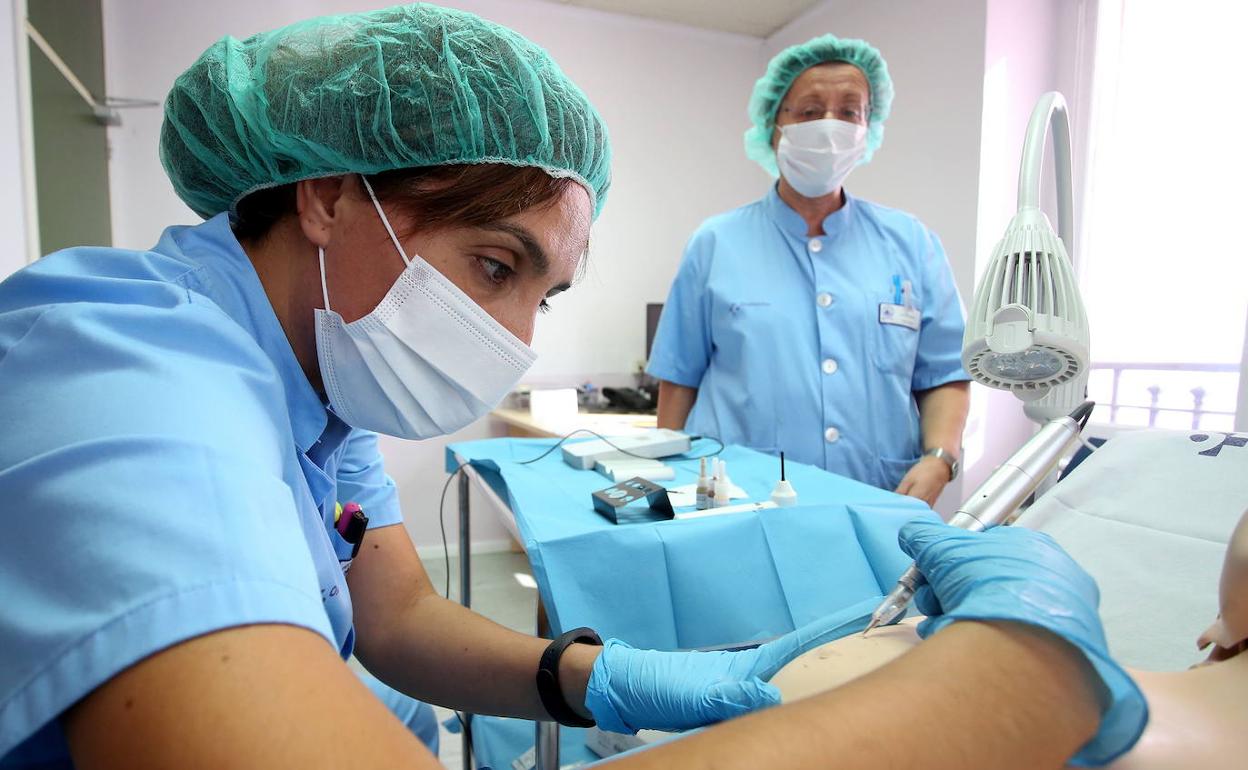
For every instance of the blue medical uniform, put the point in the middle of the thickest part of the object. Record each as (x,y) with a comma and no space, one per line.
(781,334)
(166,469)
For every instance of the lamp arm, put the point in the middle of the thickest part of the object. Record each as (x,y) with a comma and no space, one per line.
(1049,117)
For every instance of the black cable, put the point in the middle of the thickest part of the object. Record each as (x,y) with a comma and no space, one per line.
(609,443)
(567,436)
(446,553)
(465,724)
(446,560)
(1083,413)
(699,457)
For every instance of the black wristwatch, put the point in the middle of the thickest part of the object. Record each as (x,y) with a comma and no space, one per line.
(548,688)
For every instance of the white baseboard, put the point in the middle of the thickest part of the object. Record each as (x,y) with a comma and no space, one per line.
(434,550)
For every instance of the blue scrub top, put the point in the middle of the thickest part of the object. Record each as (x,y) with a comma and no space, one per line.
(167,471)
(781,334)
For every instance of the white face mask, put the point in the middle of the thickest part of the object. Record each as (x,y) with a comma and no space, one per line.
(815,157)
(426,362)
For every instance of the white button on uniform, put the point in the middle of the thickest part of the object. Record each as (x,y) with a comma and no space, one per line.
(815,245)
(831,434)
(824,299)
(829,366)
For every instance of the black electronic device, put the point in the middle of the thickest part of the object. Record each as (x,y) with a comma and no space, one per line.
(654,310)
(634,501)
(629,400)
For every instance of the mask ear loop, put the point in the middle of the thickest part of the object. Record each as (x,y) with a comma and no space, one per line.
(320,255)
(393,238)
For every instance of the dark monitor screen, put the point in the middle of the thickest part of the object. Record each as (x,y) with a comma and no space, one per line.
(653,311)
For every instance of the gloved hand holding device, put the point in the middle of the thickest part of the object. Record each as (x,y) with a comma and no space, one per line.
(1015,574)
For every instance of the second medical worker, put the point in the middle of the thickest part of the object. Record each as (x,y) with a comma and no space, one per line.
(813,322)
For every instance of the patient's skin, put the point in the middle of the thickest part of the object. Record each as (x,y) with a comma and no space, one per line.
(850,657)
(1197,718)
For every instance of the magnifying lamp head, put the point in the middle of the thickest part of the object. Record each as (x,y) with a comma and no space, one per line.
(1027,331)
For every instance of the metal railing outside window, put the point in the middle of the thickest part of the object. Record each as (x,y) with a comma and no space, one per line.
(1173,395)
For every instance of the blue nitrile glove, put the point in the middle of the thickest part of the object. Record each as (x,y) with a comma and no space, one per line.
(631,690)
(1015,574)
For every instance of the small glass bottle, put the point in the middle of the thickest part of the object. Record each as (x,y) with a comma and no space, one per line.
(723,487)
(704,484)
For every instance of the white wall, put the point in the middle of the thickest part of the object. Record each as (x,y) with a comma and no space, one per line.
(673,97)
(14,201)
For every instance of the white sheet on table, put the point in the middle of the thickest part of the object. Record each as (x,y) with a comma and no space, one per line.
(1149,515)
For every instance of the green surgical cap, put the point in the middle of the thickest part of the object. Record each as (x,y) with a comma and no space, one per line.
(793,61)
(402,87)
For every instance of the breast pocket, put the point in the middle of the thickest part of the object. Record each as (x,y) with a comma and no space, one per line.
(897,350)
(342,549)
(896,320)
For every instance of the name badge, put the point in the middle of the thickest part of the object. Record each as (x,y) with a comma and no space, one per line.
(900,315)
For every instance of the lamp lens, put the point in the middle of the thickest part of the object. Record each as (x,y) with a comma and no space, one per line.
(1031,364)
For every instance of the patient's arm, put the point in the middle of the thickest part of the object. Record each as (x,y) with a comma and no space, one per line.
(1197,718)
(976,695)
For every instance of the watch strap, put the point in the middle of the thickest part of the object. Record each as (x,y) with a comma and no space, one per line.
(949,459)
(548,685)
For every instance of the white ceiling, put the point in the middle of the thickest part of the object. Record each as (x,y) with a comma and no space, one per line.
(759,18)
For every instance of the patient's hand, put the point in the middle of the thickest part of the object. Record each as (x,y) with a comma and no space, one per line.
(838,662)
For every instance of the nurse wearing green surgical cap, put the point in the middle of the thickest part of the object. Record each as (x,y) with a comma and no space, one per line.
(190,434)
(390,199)
(812,322)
